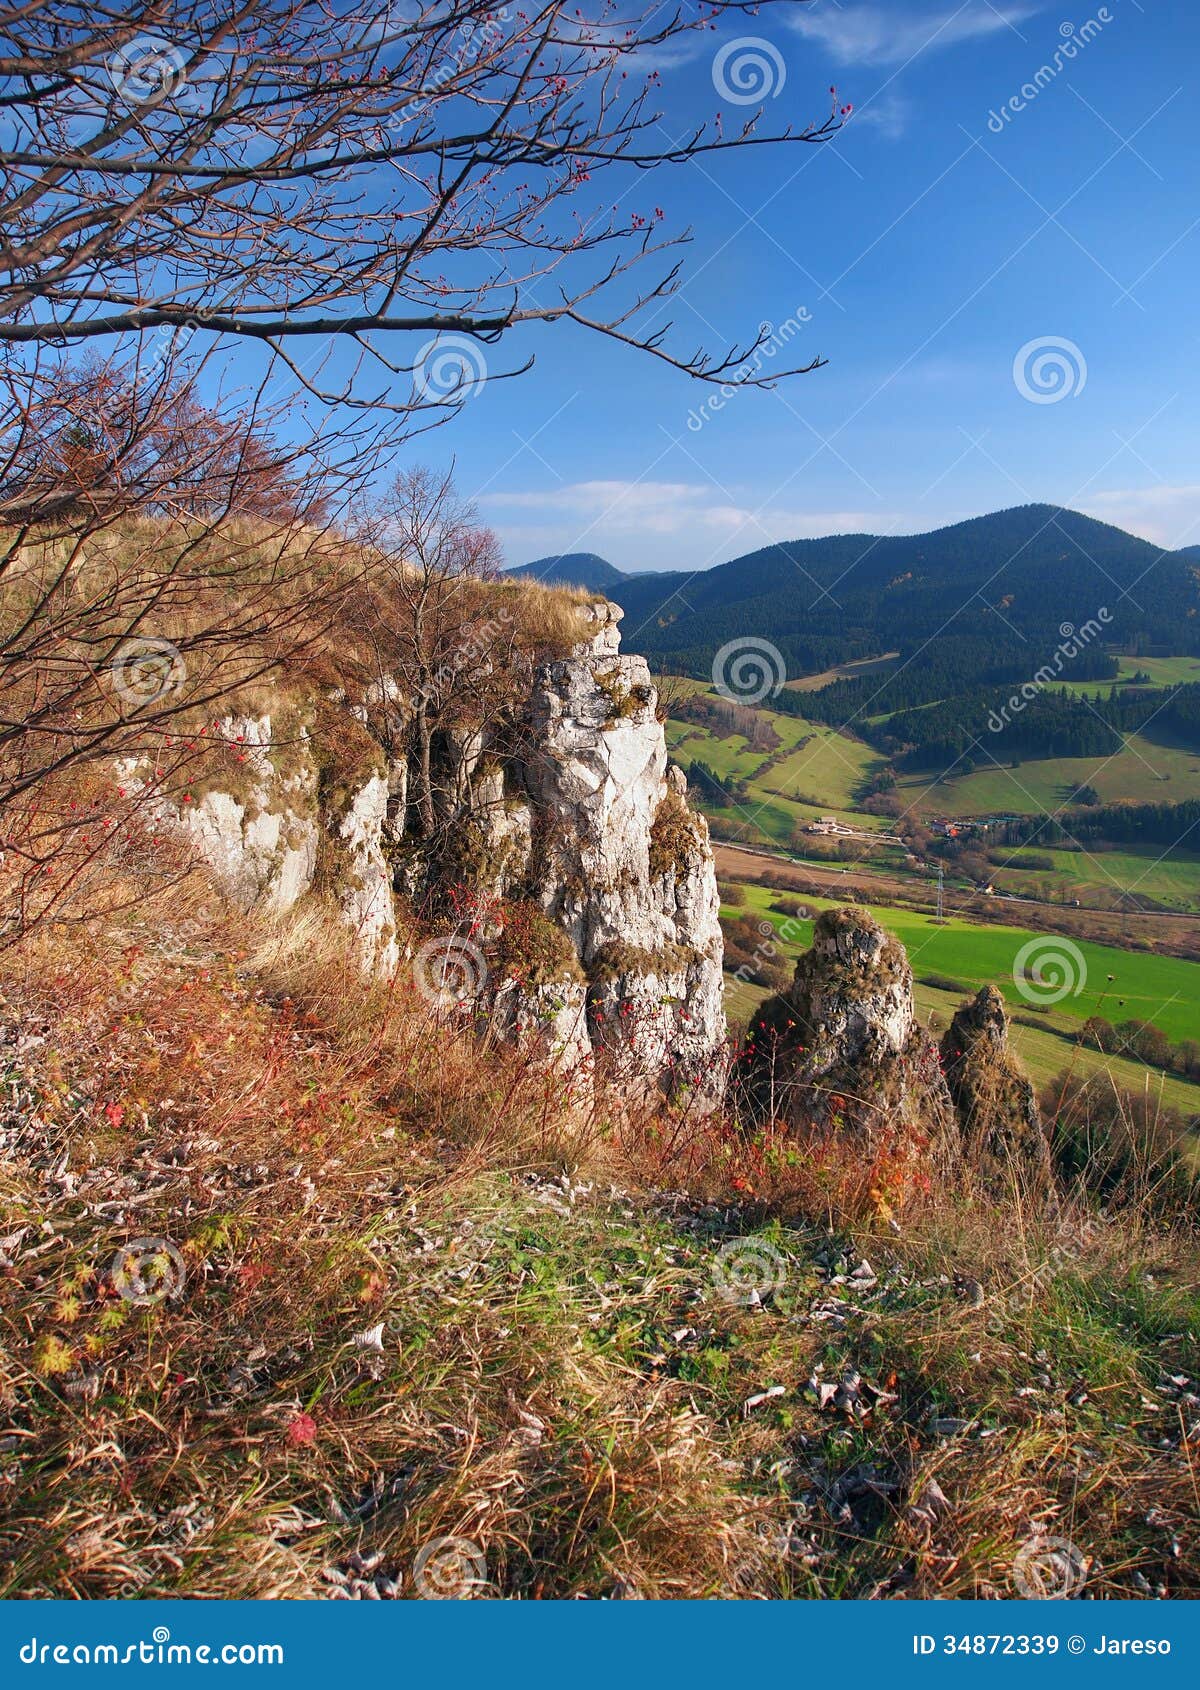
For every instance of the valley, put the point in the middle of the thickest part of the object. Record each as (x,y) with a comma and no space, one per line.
(861,719)
(599,935)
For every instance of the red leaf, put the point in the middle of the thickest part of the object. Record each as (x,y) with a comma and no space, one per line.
(302,1430)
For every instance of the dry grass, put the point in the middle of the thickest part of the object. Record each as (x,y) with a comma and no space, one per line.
(1126,1147)
(550,1361)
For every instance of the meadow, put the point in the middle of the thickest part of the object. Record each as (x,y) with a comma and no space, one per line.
(1145,771)
(815,771)
(1163,672)
(1097,875)
(826,772)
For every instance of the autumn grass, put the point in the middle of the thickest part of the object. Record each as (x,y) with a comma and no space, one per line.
(427,1293)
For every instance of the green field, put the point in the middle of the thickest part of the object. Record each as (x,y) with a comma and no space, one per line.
(1144,772)
(1163,672)
(815,772)
(1147,988)
(1173,881)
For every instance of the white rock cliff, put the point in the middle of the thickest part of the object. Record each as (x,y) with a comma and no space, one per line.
(588,821)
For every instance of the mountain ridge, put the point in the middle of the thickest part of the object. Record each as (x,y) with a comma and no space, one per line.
(1009,579)
(571,569)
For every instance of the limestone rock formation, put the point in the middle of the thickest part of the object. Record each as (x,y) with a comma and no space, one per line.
(1001,1127)
(269,833)
(623,866)
(575,814)
(842,1048)
(551,1017)
(258,834)
(365,891)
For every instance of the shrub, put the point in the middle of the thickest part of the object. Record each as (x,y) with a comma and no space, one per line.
(944,983)
(1122,1146)
(674,836)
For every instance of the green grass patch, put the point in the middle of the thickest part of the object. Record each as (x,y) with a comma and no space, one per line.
(1143,871)
(1145,772)
(1163,672)
(816,771)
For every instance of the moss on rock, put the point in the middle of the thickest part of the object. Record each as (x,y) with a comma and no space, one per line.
(617,960)
(533,949)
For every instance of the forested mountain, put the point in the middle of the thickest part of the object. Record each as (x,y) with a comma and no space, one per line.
(574,569)
(1001,587)
(1052,723)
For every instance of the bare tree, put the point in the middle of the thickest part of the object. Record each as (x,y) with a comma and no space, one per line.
(437,636)
(294,173)
(180,181)
(156,555)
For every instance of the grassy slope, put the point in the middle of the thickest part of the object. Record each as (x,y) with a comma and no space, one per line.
(830,770)
(845,672)
(1144,772)
(1163,672)
(558,1373)
(1172,881)
(815,778)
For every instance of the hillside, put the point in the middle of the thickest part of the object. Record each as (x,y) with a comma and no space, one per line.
(573,569)
(388,1319)
(381,1189)
(560,1081)
(992,594)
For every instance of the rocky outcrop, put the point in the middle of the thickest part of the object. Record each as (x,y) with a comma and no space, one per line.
(365,882)
(1002,1132)
(269,832)
(573,811)
(842,1050)
(256,824)
(552,1019)
(623,866)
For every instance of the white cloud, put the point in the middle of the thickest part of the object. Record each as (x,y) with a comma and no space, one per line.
(889,113)
(869,34)
(1167,516)
(654,507)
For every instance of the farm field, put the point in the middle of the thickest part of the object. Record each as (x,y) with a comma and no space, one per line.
(814,772)
(1144,772)
(972,956)
(1172,881)
(844,672)
(1145,987)
(1163,672)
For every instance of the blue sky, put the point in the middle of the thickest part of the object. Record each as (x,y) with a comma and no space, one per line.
(939,248)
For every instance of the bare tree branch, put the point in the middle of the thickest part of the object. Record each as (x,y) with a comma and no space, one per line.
(289,172)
